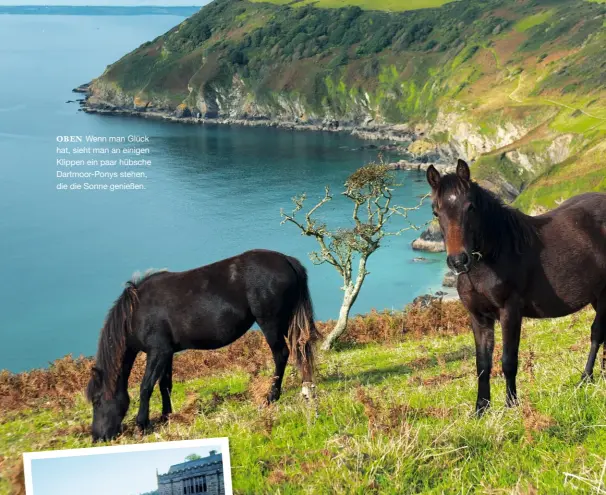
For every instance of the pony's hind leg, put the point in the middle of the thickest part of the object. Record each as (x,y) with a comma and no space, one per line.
(308,387)
(598,330)
(275,332)
(166,388)
(157,362)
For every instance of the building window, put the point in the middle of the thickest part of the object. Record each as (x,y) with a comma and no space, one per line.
(204,484)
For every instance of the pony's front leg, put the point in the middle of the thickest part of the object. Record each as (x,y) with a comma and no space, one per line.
(483,332)
(166,389)
(157,361)
(511,326)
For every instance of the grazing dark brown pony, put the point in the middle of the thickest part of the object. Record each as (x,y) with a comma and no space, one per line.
(511,265)
(205,308)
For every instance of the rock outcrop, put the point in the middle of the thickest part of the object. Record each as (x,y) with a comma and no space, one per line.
(183,111)
(431,240)
(450,279)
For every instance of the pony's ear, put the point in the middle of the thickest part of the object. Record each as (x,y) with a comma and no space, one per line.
(433,177)
(463,170)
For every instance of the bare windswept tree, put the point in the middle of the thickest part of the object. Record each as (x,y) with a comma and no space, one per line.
(370,191)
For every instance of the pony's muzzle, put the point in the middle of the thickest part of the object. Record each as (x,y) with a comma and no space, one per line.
(459,263)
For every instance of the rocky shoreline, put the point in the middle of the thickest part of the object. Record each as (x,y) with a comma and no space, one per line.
(377,132)
(399,134)
(404,139)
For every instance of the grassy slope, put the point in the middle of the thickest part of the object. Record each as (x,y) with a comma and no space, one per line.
(580,174)
(544,82)
(389,418)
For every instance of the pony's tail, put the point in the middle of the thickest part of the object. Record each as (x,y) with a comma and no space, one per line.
(112,341)
(302,331)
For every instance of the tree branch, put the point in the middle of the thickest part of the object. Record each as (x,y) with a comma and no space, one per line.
(312,229)
(370,191)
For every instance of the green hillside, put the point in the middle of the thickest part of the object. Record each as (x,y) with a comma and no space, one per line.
(392,415)
(519,85)
(390,5)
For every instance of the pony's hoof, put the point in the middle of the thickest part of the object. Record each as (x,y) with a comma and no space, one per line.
(143,426)
(308,390)
(165,417)
(512,402)
(481,408)
(585,379)
(272,397)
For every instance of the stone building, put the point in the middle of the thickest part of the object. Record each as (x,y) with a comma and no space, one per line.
(203,475)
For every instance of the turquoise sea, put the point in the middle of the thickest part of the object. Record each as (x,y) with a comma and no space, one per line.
(211,192)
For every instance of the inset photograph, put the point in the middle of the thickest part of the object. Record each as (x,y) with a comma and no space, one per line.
(164,468)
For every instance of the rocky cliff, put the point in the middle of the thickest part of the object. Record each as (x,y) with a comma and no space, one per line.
(515,87)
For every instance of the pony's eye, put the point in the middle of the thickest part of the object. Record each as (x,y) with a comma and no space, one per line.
(435,213)
(471,207)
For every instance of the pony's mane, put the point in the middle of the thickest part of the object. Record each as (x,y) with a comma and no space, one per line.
(112,341)
(502,227)
(140,277)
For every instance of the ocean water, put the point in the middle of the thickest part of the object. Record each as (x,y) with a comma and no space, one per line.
(211,192)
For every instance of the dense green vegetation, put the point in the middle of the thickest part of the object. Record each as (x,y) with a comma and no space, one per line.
(347,52)
(531,64)
(392,416)
(389,5)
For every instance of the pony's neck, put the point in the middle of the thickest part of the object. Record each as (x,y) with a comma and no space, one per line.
(504,230)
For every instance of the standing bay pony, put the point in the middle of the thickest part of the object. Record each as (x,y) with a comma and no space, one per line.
(205,308)
(511,265)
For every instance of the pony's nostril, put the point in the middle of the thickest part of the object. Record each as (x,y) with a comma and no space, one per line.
(459,262)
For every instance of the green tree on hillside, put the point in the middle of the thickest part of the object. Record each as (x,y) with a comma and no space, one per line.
(370,191)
